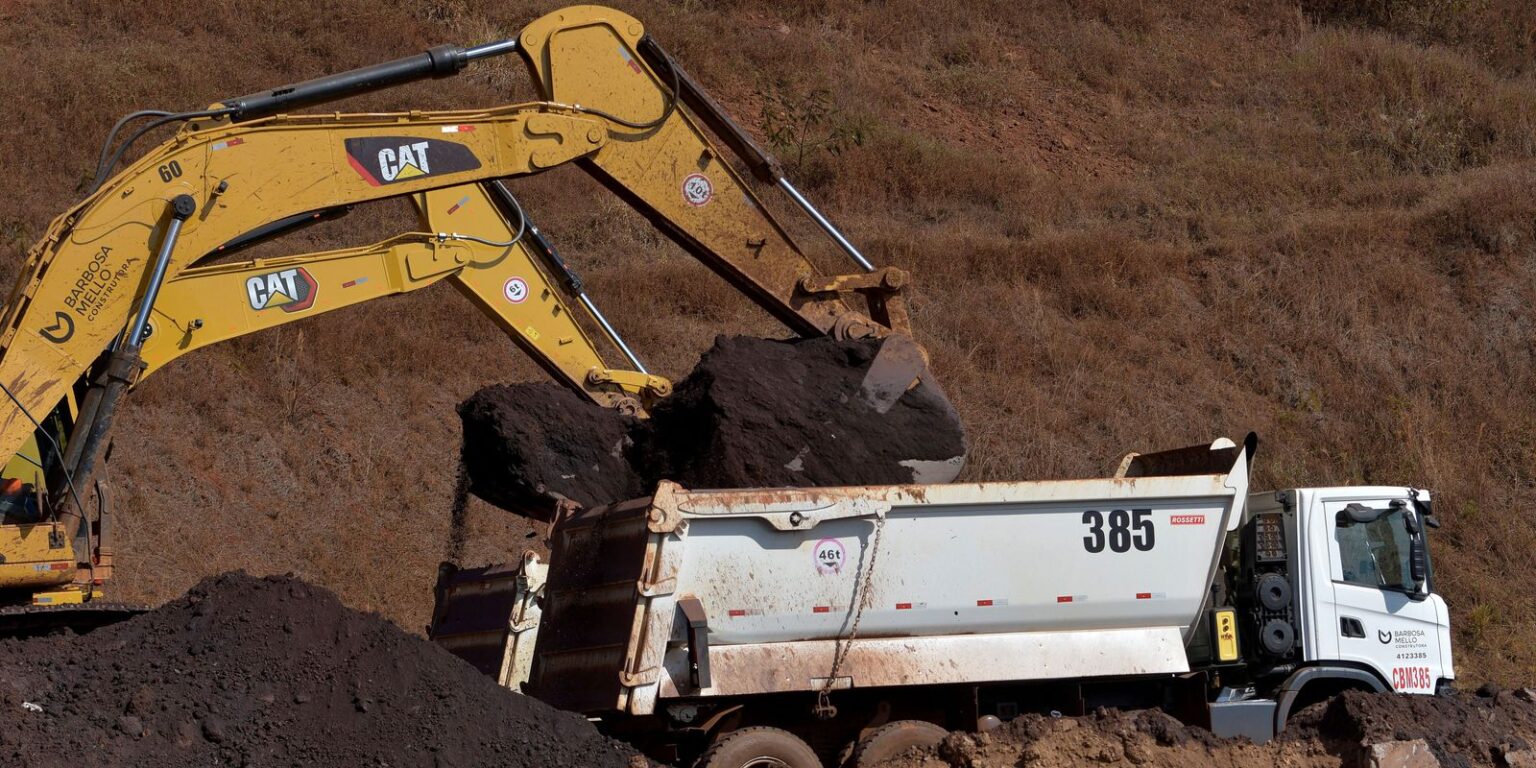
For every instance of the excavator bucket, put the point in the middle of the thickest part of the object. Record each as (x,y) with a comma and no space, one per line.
(898,366)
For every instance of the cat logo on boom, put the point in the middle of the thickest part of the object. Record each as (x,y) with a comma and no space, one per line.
(293,290)
(391,159)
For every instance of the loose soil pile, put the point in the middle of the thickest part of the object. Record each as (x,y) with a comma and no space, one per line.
(753,413)
(1491,728)
(267,672)
(1463,729)
(1150,739)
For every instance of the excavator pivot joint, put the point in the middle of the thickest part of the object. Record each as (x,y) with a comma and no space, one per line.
(631,381)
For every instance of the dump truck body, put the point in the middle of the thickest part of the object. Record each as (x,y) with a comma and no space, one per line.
(947,583)
(687,614)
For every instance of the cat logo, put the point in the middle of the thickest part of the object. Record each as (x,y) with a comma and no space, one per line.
(291,289)
(407,162)
(392,159)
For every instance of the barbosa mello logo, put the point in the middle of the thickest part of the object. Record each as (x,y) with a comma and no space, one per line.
(382,160)
(291,290)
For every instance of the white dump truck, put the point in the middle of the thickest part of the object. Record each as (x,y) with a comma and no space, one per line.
(836,626)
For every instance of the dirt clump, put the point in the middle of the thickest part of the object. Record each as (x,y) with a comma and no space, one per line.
(266,672)
(753,413)
(529,445)
(1461,729)
(758,412)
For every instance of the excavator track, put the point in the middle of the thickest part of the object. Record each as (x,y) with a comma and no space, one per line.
(79,618)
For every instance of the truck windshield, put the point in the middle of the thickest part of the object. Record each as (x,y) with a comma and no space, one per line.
(1377,554)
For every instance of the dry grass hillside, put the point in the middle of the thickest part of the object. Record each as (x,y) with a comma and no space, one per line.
(1132,226)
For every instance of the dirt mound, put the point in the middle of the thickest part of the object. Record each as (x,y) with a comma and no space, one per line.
(1493,728)
(753,413)
(1150,739)
(265,672)
(1460,729)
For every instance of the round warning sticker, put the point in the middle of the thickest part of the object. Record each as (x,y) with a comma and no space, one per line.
(516,290)
(830,556)
(697,189)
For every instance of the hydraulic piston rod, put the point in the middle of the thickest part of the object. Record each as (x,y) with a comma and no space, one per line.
(763,165)
(440,61)
(182,208)
(121,366)
(826,226)
(573,283)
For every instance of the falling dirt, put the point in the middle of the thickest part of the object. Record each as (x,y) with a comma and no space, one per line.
(1353,729)
(267,672)
(753,413)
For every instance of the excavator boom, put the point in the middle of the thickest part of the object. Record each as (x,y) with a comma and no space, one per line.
(124,281)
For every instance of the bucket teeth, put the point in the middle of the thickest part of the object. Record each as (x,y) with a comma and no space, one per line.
(897,367)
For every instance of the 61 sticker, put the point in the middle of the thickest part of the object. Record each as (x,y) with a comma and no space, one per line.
(516,290)
(830,556)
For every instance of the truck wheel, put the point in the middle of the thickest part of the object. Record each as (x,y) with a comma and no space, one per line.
(759,747)
(892,739)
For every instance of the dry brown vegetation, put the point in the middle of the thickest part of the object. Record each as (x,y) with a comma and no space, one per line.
(1132,225)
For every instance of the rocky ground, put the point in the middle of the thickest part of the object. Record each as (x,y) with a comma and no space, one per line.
(1488,728)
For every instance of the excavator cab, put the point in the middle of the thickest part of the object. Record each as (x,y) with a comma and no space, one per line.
(40,553)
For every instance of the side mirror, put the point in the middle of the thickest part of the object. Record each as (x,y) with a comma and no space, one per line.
(1426,510)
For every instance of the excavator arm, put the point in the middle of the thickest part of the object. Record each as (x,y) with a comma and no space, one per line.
(508,270)
(118,285)
(242,167)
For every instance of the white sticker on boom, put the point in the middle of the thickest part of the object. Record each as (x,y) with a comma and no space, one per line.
(697,189)
(830,556)
(516,290)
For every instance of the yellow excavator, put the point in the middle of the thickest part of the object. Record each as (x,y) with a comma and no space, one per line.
(136,274)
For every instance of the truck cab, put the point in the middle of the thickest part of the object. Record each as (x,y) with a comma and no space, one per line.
(1334,588)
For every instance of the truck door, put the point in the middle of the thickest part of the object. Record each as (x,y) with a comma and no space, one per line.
(1383,620)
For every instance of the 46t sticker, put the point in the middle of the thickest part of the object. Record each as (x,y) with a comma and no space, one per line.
(830,556)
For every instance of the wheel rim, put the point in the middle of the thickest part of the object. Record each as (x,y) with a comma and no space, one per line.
(765,761)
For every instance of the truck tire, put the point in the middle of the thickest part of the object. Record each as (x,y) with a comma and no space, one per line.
(759,747)
(892,739)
